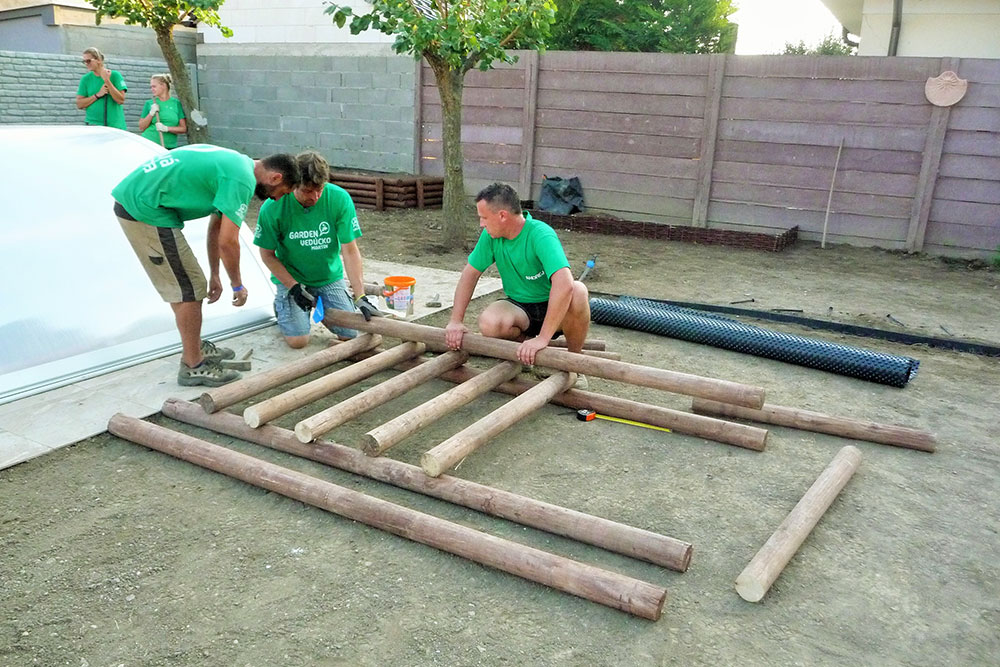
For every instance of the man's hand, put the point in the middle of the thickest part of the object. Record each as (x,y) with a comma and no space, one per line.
(453,334)
(240,295)
(162,127)
(214,289)
(367,309)
(528,349)
(302,298)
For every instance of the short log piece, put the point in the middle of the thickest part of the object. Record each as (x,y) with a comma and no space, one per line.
(234,392)
(394,431)
(805,420)
(589,344)
(758,576)
(457,447)
(611,535)
(608,588)
(658,378)
(311,428)
(274,407)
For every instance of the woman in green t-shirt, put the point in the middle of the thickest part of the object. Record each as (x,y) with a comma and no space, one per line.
(101,92)
(163,116)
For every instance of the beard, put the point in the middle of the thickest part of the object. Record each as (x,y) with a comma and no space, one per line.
(262,192)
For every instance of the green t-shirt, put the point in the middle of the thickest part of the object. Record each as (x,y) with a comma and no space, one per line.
(171,113)
(307,240)
(89,85)
(188,183)
(525,263)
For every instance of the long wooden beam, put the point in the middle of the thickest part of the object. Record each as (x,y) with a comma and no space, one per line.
(274,407)
(390,433)
(608,588)
(445,455)
(886,434)
(234,392)
(619,538)
(683,383)
(757,577)
(322,422)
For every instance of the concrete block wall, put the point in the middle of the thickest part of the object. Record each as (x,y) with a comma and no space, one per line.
(353,106)
(40,88)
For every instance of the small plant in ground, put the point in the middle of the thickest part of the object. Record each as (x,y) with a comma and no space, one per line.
(995,259)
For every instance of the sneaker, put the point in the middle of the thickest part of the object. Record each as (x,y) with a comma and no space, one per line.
(210,350)
(208,373)
(581,382)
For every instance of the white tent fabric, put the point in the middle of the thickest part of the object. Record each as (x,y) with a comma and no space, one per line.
(74,301)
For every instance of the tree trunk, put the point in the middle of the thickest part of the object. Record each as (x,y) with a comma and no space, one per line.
(196,134)
(456,217)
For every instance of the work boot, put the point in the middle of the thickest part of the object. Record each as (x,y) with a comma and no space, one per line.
(208,373)
(210,350)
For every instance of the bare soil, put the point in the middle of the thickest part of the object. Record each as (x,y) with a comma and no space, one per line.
(113,554)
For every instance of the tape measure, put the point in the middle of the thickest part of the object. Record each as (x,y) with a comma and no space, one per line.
(590,415)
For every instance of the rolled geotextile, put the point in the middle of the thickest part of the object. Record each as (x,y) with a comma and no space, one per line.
(689,325)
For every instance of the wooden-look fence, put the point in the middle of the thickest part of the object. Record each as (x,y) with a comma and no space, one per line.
(743,142)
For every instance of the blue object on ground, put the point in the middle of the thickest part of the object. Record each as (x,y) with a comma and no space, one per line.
(320,311)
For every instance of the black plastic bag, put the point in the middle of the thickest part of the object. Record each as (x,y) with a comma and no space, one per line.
(562,196)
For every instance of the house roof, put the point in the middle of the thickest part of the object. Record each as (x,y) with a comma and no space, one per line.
(848,12)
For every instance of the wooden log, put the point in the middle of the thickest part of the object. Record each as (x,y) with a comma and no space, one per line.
(619,538)
(409,203)
(757,577)
(311,428)
(684,383)
(274,407)
(420,193)
(352,186)
(885,434)
(589,344)
(234,392)
(392,432)
(457,447)
(379,194)
(608,588)
(725,432)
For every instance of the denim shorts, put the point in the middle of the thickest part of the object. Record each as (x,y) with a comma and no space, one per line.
(293,321)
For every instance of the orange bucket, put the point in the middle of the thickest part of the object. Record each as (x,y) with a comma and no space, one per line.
(398,293)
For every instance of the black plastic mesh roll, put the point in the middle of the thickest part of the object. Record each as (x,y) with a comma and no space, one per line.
(697,327)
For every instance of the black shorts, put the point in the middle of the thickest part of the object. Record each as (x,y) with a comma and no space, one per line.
(536,316)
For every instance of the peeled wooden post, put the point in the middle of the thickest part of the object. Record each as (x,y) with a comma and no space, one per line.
(274,407)
(388,434)
(311,428)
(726,432)
(608,588)
(626,540)
(234,392)
(757,577)
(645,376)
(589,344)
(469,439)
(885,434)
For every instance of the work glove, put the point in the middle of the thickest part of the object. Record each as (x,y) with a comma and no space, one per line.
(302,298)
(367,309)
(162,127)
(154,108)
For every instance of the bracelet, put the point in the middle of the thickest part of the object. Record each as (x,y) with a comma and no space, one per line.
(238,288)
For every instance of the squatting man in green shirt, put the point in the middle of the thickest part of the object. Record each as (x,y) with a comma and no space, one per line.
(153,203)
(302,239)
(542,297)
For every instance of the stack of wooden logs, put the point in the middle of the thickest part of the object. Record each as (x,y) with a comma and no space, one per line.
(712,397)
(380,192)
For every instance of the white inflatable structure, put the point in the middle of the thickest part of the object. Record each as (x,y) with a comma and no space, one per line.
(74,301)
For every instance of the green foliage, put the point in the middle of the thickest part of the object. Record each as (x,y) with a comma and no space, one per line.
(461,34)
(162,14)
(995,259)
(829,46)
(665,26)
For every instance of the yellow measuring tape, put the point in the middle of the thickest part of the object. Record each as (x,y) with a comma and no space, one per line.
(587,415)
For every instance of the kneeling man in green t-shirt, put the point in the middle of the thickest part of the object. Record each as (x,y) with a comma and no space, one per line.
(309,240)
(542,296)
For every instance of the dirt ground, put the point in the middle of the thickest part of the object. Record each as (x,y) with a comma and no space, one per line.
(113,554)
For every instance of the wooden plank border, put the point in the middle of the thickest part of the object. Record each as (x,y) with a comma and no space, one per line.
(529,123)
(713,99)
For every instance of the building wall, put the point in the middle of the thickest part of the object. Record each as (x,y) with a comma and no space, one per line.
(288,22)
(958,28)
(40,88)
(355,105)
